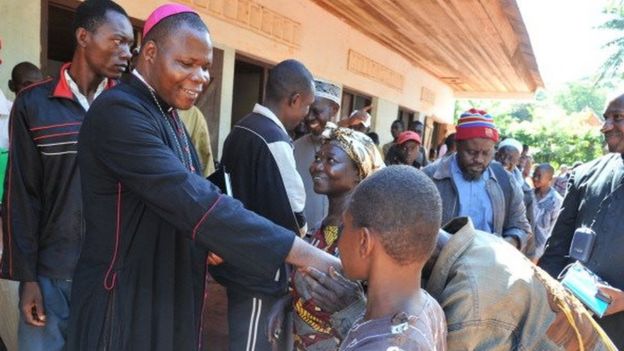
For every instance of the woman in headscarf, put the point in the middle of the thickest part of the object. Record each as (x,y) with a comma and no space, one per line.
(345,158)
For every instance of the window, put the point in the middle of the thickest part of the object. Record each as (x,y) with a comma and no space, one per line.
(352,101)
(407,116)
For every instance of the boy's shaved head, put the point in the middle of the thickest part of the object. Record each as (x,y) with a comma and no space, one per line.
(402,206)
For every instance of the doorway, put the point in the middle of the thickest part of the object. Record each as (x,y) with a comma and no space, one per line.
(249,86)
(351,101)
(57,37)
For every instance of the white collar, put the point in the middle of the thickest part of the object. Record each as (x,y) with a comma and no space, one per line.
(263,110)
(138,75)
(142,79)
(82,100)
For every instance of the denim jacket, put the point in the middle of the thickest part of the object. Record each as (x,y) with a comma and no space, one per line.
(510,221)
(495,299)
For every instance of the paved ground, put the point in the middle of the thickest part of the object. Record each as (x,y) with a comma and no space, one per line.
(215,319)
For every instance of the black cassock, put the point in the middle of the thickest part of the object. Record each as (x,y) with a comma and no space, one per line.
(149,221)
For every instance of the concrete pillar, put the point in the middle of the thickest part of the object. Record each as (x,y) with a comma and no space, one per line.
(20,32)
(384,113)
(227,90)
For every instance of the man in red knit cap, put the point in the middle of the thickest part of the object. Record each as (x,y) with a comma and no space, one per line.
(472,186)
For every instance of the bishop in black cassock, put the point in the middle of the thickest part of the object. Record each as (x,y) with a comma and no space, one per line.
(151,220)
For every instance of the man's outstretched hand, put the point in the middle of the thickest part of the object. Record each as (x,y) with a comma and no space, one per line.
(214,259)
(330,291)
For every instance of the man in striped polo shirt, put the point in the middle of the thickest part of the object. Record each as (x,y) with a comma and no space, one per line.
(42,211)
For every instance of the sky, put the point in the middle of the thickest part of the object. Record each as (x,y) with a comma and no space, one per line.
(566,41)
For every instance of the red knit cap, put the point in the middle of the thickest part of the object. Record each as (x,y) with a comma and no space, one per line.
(476,124)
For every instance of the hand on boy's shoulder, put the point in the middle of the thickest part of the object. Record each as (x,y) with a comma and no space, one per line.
(331,291)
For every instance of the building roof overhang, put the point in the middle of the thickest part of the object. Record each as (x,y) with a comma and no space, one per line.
(480,48)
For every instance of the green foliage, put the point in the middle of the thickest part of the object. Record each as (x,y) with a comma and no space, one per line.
(556,126)
(612,67)
(576,96)
(614,7)
(522,112)
(555,134)
(558,143)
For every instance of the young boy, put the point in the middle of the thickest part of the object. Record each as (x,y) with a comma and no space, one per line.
(381,245)
(548,204)
(409,144)
(493,297)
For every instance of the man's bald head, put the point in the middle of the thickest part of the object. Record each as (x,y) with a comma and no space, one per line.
(288,78)
(23,75)
(289,92)
(169,26)
(613,126)
(619,98)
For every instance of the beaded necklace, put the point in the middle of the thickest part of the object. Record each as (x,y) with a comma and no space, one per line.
(187,161)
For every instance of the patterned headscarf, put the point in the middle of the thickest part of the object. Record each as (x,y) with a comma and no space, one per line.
(358,146)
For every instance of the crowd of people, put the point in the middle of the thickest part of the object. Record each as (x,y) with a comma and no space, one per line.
(115,214)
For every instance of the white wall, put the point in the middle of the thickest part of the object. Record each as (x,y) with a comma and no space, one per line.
(384,112)
(325,42)
(20,31)
(227,87)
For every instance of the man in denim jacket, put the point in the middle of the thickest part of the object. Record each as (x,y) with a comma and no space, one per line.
(495,299)
(471,185)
